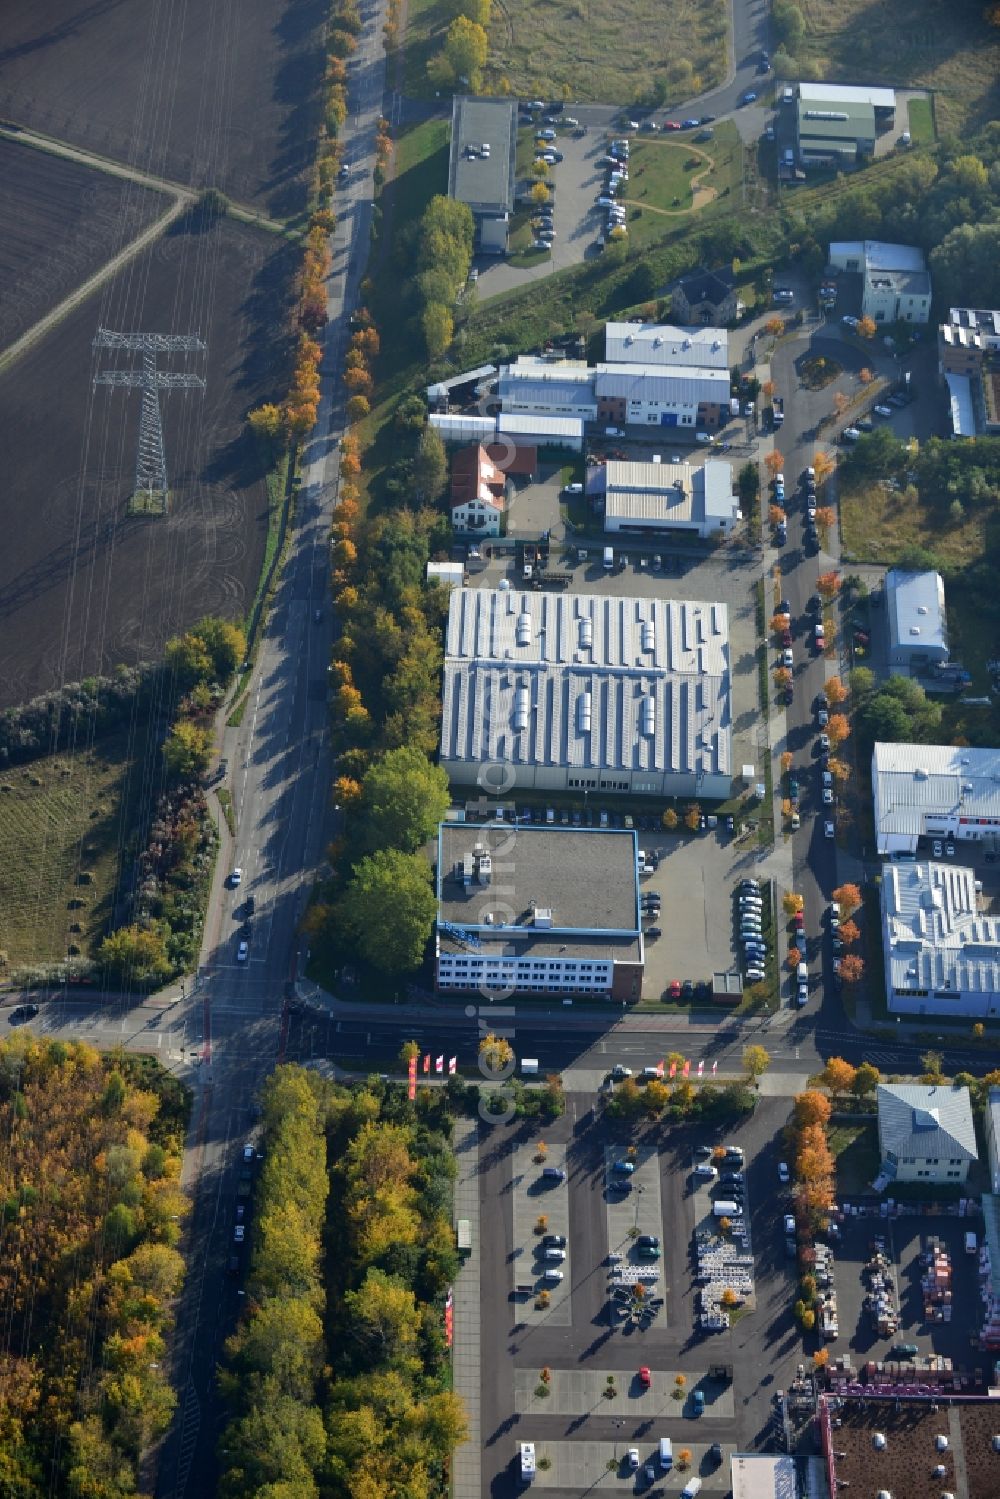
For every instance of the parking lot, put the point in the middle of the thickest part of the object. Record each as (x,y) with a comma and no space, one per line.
(906,1238)
(580,1466)
(537,1195)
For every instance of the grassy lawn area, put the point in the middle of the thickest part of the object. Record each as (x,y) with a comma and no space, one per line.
(611,51)
(920,114)
(877,524)
(669,177)
(952,51)
(855,1149)
(63,822)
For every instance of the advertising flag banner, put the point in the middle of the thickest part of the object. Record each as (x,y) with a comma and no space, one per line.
(701,1068)
(659,1068)
(715,1068)
(686,1069)
(452,1066)
(439,1064)
(411,1068)
(673,1069)
(427,1062)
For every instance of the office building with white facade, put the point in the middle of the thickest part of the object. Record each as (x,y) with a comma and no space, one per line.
(651,499)
(925,1132)
(935,791)
(969,362)
(941,954)
(588,693)
(538,910)
(917,620)
(896,285)
(623,393)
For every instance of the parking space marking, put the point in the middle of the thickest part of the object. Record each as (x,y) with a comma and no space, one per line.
(638,1211)
(535,1195)
(580,1466)
(577,1392)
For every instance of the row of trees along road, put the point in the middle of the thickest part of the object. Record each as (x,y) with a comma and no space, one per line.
(337,1374)
(386,708)
(174,869)
(90,1272)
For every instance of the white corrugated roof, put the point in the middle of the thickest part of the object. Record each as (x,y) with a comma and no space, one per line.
(561,679)
(935,939)
(661,383)
(526,423)
(960,406)
(913,781)
(915,606)
(676,492)
(664,343)
(846,93)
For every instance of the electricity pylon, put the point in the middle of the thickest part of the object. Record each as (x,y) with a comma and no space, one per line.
(151,495)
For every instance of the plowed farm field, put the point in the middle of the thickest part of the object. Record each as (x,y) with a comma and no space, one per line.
(83,585)
(209,93)
(61,222)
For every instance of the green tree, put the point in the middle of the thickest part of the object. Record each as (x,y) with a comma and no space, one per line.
(187,750)
(438,329)
(430,467)
(465,49)
(388,908)
(788,23)
(755,1061)
(403,798)
(188,660)
(267,423)
(382,1315)
(135,955)
(226,644)
(496,1053)
(866,1080)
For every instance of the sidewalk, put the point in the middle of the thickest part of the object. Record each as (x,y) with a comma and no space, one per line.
(466,1466)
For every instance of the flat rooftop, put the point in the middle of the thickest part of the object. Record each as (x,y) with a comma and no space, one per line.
(665,343)
(586,878)
(912,781)
(905,1466)
(486,184)
(935,938)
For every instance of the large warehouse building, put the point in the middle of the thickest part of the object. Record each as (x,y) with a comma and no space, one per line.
(582,692)
(481,166)
(942,956)
(935,791)
(918,621)
(838,123)
(538,911)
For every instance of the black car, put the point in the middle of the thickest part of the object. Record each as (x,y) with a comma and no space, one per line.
(250,905)
(822,701)
(648,1241)
(233,1265)
(553,1241)
(707,120)
(815,604)
(652,932)
(20,1013)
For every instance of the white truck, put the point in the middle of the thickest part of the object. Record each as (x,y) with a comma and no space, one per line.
(527,1462)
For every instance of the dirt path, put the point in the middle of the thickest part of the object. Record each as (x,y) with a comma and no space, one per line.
(112,168)
(80,293)
(700,196)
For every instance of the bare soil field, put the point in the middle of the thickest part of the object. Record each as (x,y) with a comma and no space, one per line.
(82,585)
(61,223)
(207,92)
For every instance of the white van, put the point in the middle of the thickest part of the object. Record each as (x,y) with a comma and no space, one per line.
(666,1454)
(802,973)
(609,558)
(726,1209)
(691,1488)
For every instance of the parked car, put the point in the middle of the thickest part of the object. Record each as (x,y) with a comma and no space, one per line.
(645,1378)
(243,952)
(783,1173)
(20,1013)
(553,1241)
(236,878)
(883,410)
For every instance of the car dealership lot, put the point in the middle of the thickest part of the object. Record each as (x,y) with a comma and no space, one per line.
(580,1466)
(572,1392)
(535,1194)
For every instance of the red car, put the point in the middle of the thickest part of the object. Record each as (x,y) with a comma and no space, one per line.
(800,922)
(675,989)
(671,124)
(645,1378)
(786,637)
